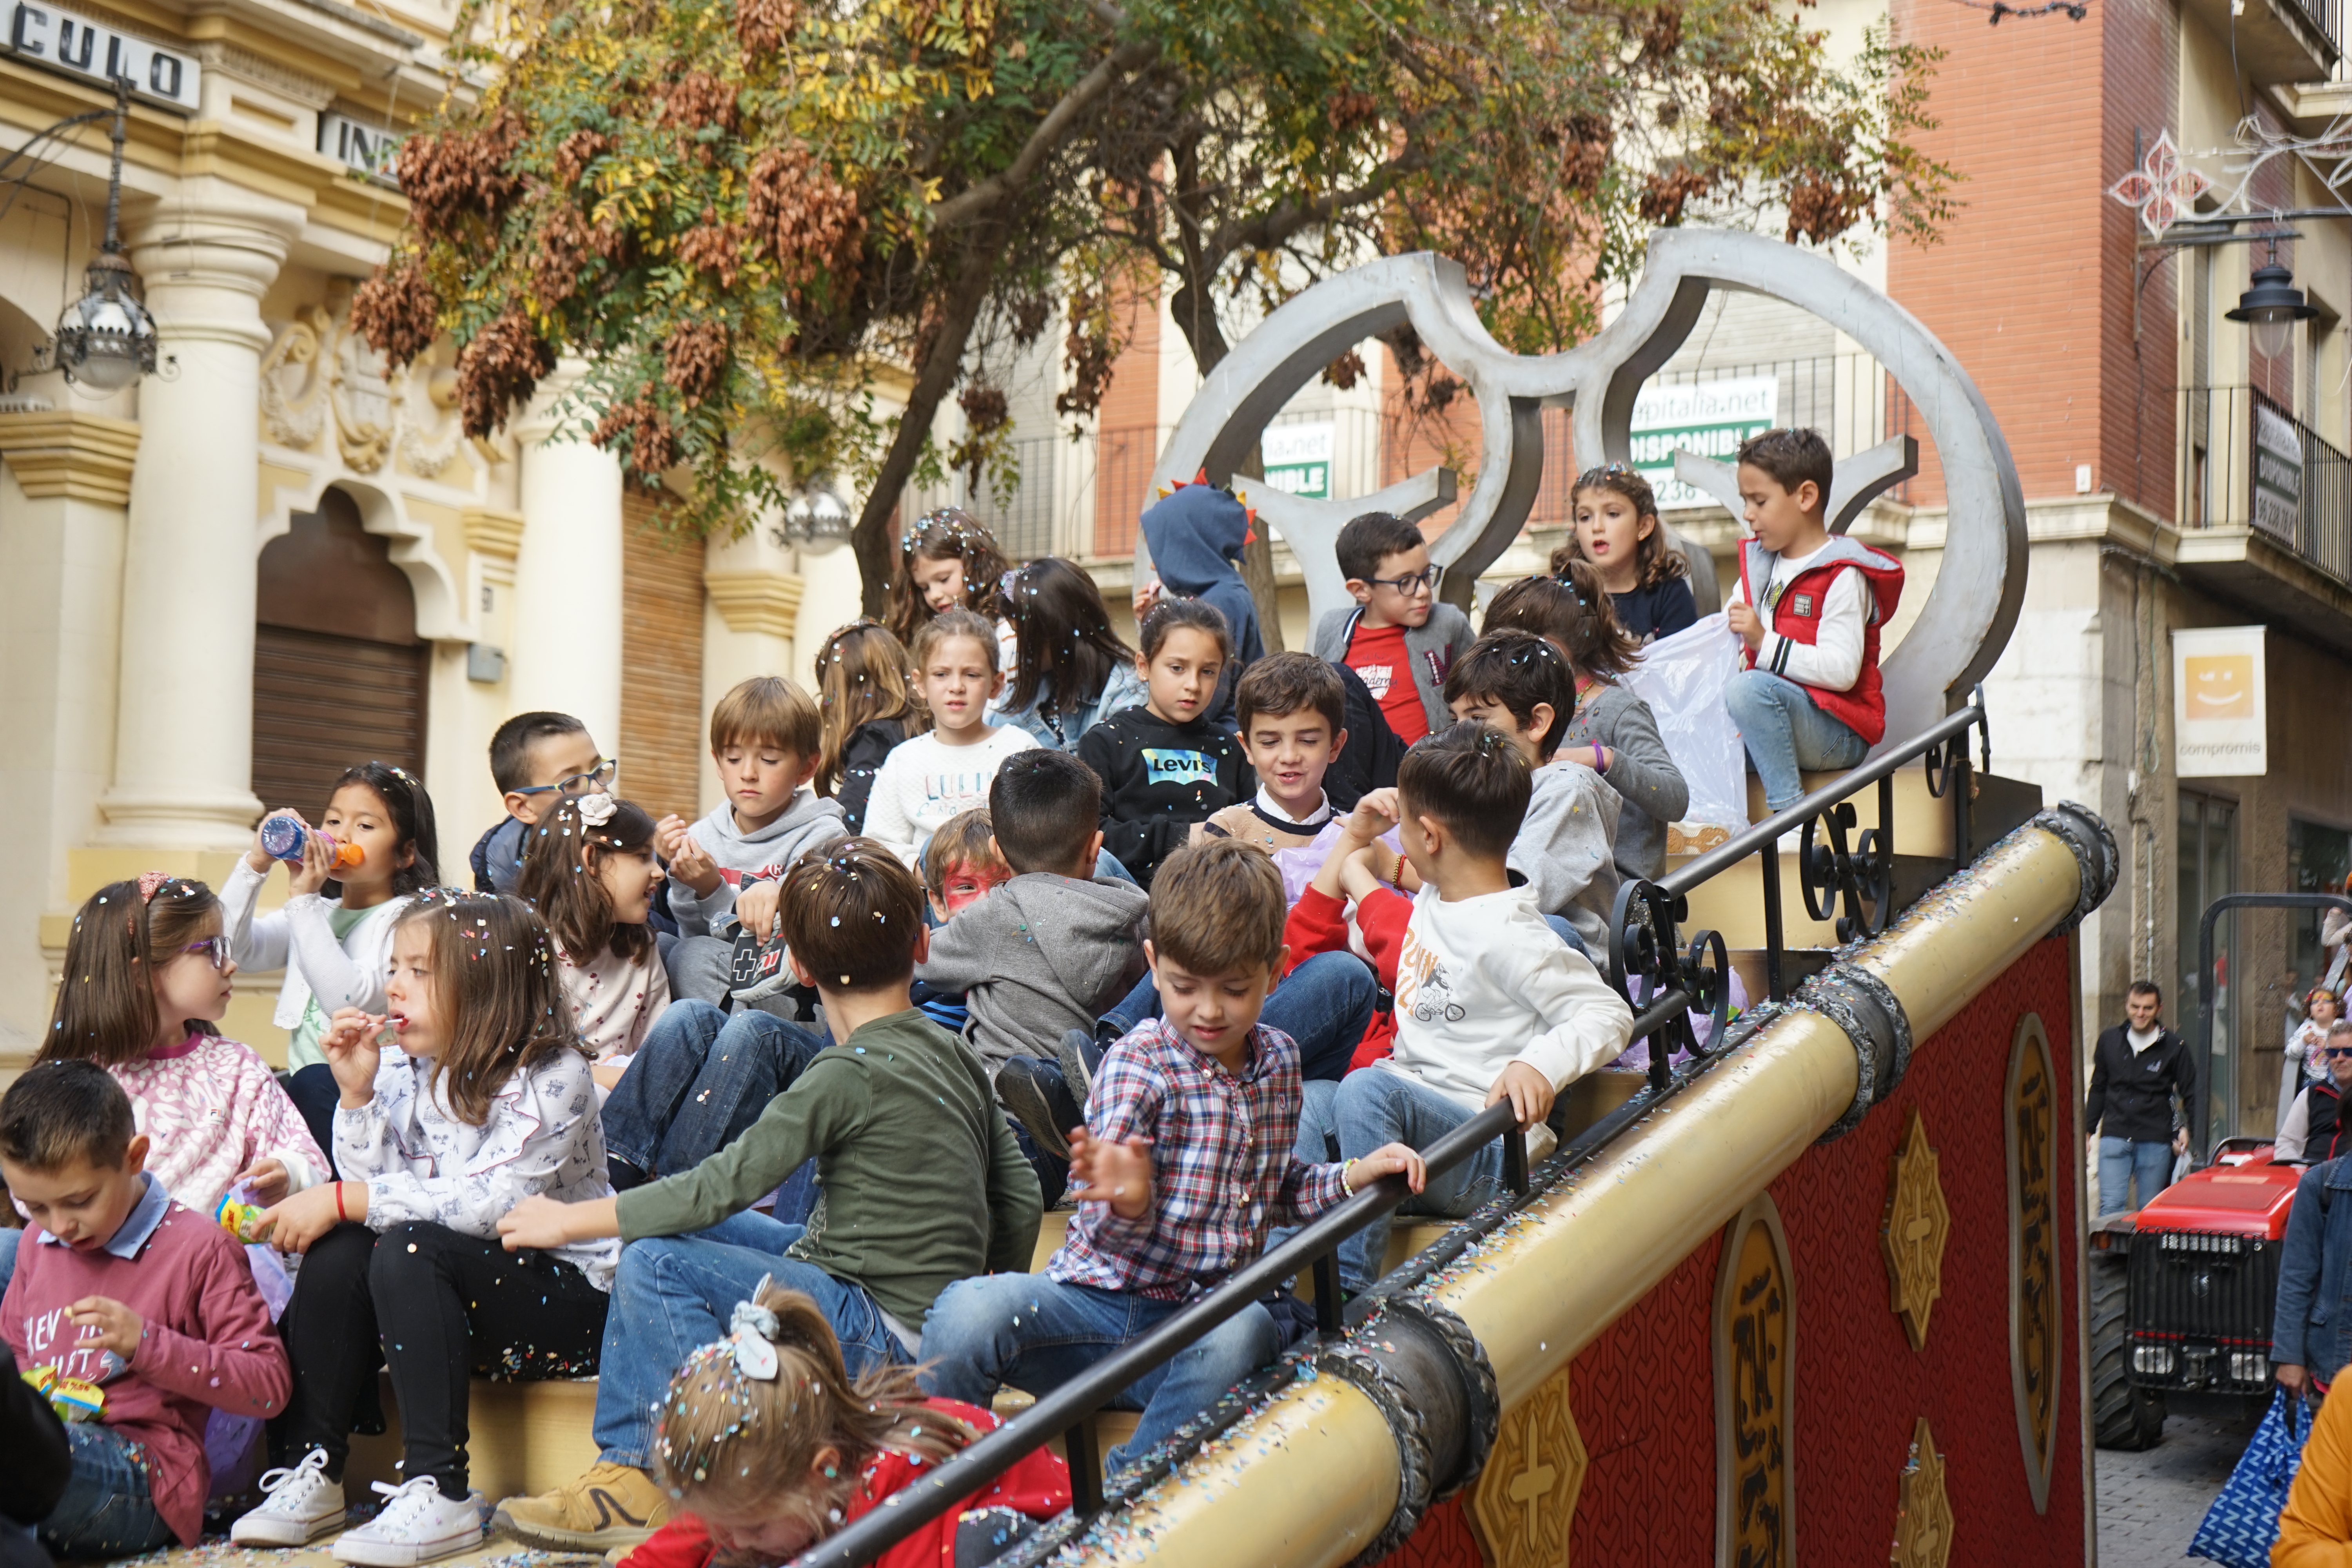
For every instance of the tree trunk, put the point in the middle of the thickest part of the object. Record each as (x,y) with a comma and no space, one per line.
(1196,318)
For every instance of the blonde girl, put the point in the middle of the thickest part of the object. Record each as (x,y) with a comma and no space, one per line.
(867,697)
(588,868)
(1619,534)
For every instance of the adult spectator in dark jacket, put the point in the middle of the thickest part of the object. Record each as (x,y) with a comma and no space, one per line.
(2311,1332)
(38,1464)
(2139,1070)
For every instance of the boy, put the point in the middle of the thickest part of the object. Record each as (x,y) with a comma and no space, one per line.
(1184,1162)
(1565,848)
(1293,713)
(891,1230)
(1490,1004)
(1398,628)
(765,736)
(1810,608)
(535,758)
(118,1286)
(960,867)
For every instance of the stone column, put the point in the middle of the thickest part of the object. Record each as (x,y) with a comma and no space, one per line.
(565,649)
(183,734)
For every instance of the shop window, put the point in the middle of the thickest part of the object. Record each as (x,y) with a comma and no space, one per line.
(2207,869)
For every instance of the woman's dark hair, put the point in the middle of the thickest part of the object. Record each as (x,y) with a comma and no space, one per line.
(500,1001)
(1063,636)
(1168,614)
(949,534)
(106,1003)
(403,796)
(1659,561)
(560,875)
(1572,610)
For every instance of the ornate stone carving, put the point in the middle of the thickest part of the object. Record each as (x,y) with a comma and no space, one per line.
(1913,1234)
(1525,1501)
(1923,1513)
(1755,1393)
(319,370)
(2036,1339)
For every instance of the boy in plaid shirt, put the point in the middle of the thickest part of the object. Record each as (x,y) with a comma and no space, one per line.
(1184,1163)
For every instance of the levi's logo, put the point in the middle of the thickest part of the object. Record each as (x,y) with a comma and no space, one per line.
(1802,605)
(1176,767)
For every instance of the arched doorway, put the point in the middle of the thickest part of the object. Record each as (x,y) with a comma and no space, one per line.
(338,672)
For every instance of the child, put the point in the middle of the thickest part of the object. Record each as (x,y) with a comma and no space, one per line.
(868,706)
(766,739)
(1165,769)
(1613,729)
(1070,670)
(1184,1162)
(948,561)
(533,757)
(1293,713)
(485,1100)
(118,1286)
(1810,608)
(922,1186)
(1398,638)
(960,867)
(2306,1049)
(1196,533)
(1566,847)
(766,1466)
(931,777)
(590,873)
(2314,1128)
(1618,534)
(333,937)
(1489,1006)
(147,975)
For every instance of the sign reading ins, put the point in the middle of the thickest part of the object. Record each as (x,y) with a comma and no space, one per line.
(1706,418)
(369,150)
(45,36)
(2221,722)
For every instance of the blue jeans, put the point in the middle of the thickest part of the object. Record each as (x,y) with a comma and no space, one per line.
(1325,1004)
(1038,1333)
(674,1294)
(1784,729)
(8,1240)
(698,1080)
(1378,1106)
(108,1509)
(2121,1159)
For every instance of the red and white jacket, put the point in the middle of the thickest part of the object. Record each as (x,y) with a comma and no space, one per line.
(1794,608)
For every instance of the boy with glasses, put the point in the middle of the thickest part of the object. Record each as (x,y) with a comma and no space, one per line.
(1398,638)
(536,759)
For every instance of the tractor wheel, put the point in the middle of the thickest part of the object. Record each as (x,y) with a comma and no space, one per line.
(2124,1416)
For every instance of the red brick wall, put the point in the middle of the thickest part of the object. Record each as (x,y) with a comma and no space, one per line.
(1127,425)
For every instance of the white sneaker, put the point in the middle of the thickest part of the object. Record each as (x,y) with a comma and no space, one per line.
(417,1525)
(299,1505)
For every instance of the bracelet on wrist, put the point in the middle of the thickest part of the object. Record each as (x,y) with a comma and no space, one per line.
(1344,1185)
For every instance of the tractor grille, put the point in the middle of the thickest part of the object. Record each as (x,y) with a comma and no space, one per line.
(2200,1310)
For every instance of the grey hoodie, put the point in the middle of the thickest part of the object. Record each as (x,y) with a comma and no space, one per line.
(763,856)
(1567,850)
(1639,771)
(1430,648)
(1041,955)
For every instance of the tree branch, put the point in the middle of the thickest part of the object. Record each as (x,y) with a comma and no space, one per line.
(1121,62)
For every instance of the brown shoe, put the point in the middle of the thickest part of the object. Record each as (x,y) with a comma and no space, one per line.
(611,1505)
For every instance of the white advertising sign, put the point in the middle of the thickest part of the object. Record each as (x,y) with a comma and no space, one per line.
(2220,711)
(1298,458)
(1707,418)
(62,41)
(2278,473)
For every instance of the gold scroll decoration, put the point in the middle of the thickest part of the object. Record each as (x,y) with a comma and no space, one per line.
(1923,1513)
(1525,1501)
(1913,1234)
(2030,1108)
(1755,1393)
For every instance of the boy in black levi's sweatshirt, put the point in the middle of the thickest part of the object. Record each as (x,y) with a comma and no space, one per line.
(1165,768)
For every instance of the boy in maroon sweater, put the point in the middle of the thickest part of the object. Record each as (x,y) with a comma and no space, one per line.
(118,1286)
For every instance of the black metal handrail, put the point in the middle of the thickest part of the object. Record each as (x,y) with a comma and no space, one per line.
(1673,985)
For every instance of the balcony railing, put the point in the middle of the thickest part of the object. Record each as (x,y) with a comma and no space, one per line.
(2246,462)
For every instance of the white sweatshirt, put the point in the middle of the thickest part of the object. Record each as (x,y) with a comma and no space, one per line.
(923,781)
(1833,662)
(1483,982)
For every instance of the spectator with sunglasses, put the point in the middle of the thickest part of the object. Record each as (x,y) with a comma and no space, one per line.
(1398,639)
(2315,1128)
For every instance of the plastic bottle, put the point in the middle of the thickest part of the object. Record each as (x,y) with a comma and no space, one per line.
(282,838)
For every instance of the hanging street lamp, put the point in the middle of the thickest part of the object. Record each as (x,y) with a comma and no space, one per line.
(106,339)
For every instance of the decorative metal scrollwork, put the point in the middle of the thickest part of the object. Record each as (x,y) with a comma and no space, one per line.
(1860,879)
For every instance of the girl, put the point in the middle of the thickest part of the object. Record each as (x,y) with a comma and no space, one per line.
(868,706)
(333,937)
(481,1099)
(768,1448)
(1618,532)
(949,560)
(1613,731)
(1165,769)
(1070,670)
(589,870)
(2306,1049)
(147,975)
(931,777)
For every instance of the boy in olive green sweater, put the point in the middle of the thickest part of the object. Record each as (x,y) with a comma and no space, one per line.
(888,1234)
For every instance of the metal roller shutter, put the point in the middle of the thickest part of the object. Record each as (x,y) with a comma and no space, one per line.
(661,663)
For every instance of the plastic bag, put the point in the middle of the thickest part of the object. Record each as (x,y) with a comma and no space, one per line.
(2244,1523)
(1682,678)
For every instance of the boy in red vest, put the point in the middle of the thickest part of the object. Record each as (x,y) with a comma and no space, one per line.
(1810,606)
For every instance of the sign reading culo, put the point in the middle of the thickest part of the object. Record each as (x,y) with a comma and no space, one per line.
(2220,709)
(76,46)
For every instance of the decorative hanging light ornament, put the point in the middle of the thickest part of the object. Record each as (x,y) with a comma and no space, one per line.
(818,520)
(2272,305)
(106,339)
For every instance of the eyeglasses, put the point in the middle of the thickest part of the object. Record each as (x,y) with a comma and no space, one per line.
(214,948)
(1410,582)
(2339,1050)
(599,777)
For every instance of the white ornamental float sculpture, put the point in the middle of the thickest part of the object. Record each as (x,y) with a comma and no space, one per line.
(1970,610)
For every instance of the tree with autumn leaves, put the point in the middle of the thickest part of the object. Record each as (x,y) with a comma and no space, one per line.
(735,212)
